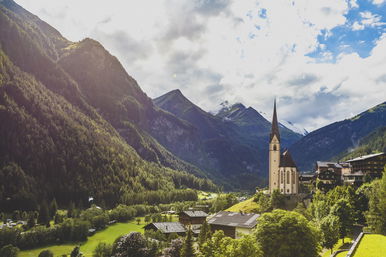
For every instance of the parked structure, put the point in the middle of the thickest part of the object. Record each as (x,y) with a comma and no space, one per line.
(233,223)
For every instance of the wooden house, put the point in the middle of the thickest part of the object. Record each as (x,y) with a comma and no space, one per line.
(233,223)
(167,227)
(192,217)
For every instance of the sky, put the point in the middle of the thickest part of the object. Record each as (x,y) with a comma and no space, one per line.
(323,61)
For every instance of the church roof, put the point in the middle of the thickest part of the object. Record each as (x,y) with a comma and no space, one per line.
(275,124)
(286,160)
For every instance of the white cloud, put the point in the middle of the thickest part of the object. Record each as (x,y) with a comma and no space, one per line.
(241,51)
(379,2)
(368,20)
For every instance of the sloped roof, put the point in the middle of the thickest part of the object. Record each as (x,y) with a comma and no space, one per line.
(286,160)
(167,227)
(234,219)
(364,157)
(196,213)
(328,164)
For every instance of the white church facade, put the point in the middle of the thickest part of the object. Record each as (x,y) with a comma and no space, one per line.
(283,173)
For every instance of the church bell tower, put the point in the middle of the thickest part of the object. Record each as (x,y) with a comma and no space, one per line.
(274,153)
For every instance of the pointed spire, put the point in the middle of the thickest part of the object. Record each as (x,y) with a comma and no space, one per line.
(275,124)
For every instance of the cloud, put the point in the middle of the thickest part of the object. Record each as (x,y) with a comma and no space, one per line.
(368,20)
(242,51)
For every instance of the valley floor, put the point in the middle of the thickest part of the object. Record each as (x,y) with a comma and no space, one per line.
(107,235)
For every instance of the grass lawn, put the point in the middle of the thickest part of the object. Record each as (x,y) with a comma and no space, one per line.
(206,195)
(338,246)
(342,254)
(245,206)
(107,235)
(371,246)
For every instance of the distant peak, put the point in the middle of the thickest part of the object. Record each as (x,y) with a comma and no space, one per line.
(238,105)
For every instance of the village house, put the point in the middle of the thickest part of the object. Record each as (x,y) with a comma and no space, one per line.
(192,217)
(371,165)
(328,175)
(167,228)
(234,224)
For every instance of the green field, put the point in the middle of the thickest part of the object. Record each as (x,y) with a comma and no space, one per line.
(206,195)
(338,246)
(371,246)
(245,206)
(107,235)
(342,254)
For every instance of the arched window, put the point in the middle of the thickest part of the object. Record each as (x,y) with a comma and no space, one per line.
(288,176)
(274,148)
(293,177)
(282,176)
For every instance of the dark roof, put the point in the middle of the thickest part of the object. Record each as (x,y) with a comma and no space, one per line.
(195,213)
(365,157)
(286,160)
(234,219)
(167,227)
(275,124)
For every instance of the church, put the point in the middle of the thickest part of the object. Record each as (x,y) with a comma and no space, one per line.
(283,173)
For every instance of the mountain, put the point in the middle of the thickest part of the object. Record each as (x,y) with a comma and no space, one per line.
(75,124)
(252,123)
(375,142)
(337,138)
(293,127)
(233,142)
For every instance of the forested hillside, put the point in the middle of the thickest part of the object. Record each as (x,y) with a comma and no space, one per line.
(375,142)
(56,143)
(340,137)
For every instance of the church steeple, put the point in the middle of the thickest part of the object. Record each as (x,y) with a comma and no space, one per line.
(275,124)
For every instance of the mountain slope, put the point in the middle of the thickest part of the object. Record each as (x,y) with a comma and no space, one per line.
(55,143)
(375,142)
(330,141)
(235,140)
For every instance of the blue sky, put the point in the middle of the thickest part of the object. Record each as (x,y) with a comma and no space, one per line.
(324,60)
(347,38)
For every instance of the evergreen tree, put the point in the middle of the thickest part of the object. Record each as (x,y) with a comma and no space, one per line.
(53,208)
(31,220)
(376,216)
(71,210)
(44,216)
(187,249)
(76,252)
(203,233)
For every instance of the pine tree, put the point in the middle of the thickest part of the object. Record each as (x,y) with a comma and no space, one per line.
(203,233)
(31,220)
(187,249)
(53,208)
(44,216)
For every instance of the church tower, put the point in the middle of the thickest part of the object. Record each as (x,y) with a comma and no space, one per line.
(274,153)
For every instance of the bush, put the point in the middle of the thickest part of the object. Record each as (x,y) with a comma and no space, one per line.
(46,253)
